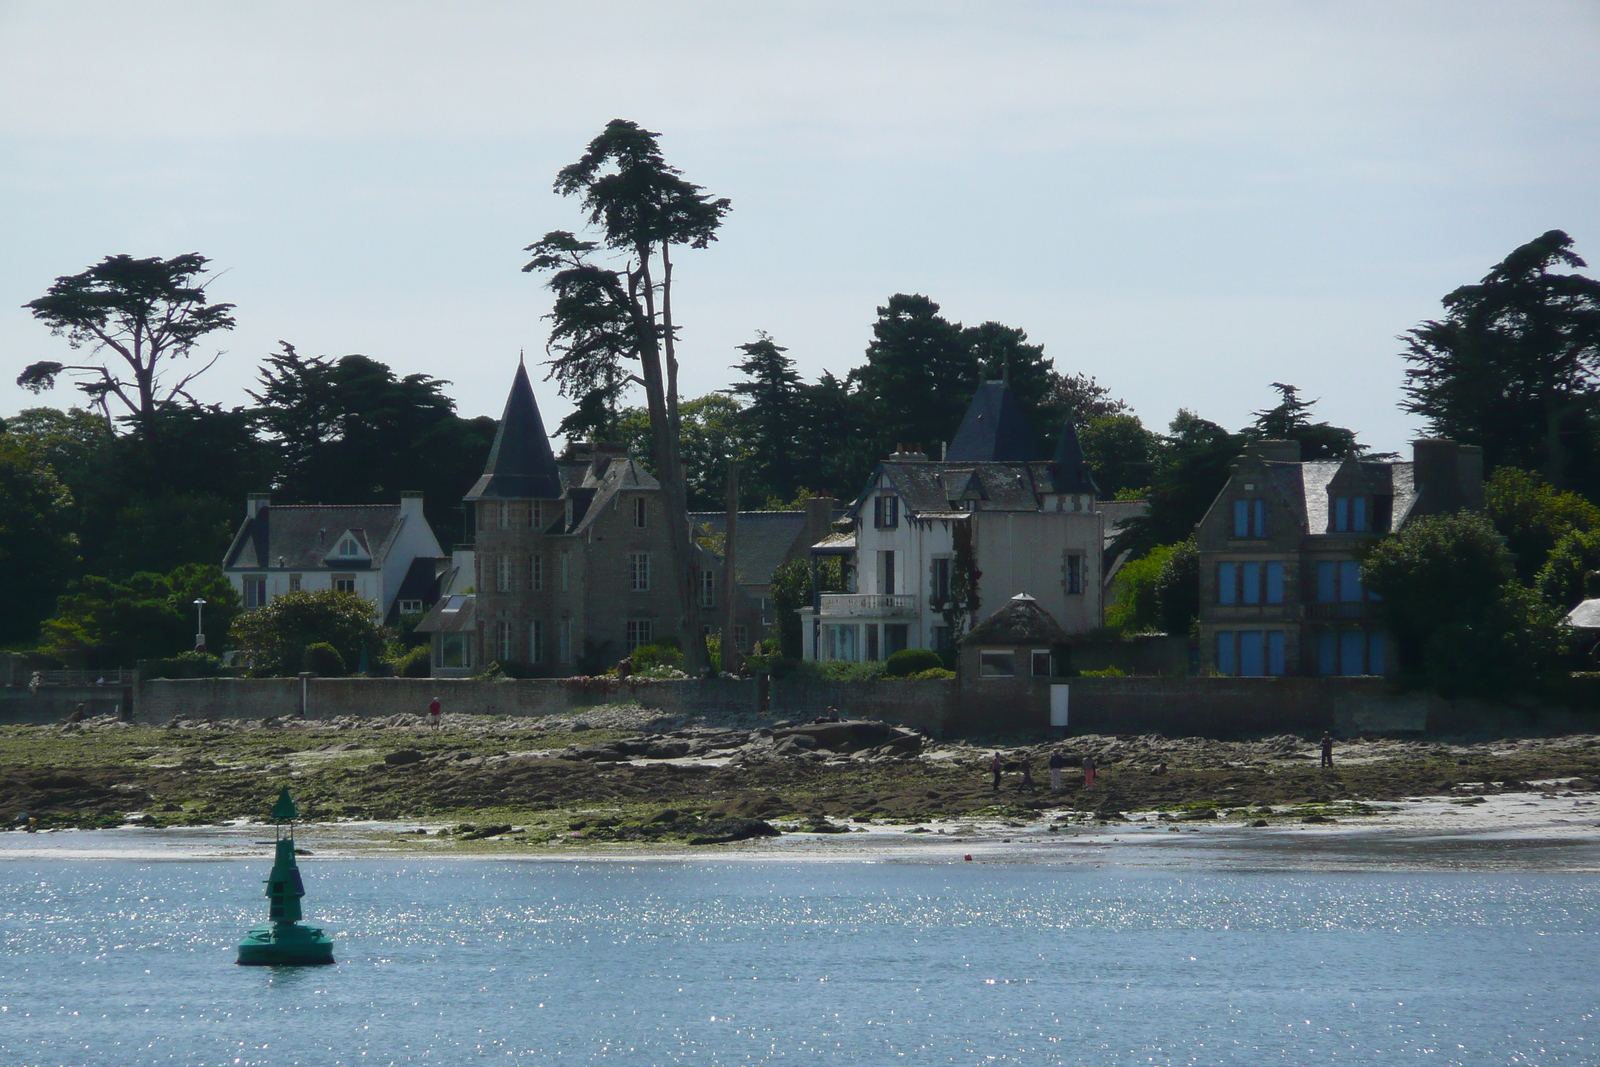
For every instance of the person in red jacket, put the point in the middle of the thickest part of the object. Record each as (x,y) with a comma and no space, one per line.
(433,712)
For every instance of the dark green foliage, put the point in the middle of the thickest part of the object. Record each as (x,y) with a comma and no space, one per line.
(1194,468)
(145,311)
(322,658)
(1120,451)
(1568,573)
(772,420)
(1004,354)
(791,591)
(1081,398)
(909,661)
(1177,589)
(350,431)
(1512,365)
(105,623)
(1459,620)
(1290,420)
(960,612)
(1533,517)
(38,550)
(277,636)
(183,665)
(919,376)
(712,430)
(837,448)
(1135,607)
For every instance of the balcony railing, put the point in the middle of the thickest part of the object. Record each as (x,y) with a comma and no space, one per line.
(869,605)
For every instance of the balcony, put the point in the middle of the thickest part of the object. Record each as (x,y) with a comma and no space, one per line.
(868,605)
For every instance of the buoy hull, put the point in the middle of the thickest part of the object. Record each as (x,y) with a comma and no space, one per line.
(285,945)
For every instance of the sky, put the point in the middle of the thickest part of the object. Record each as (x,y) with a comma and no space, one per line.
(1188,201)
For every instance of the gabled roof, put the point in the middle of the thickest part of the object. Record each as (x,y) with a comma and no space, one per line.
(932,489)
(620,475)
(1021,622)
(302,535)
(1302,486)
(994,430)
(451,614)
(521,465)
(764,540)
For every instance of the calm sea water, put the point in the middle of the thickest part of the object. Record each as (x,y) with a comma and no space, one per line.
(123,962)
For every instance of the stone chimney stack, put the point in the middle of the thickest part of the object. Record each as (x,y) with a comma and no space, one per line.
(819,518)
(411,505)
(255,502)
(1275,451)
(1448,476)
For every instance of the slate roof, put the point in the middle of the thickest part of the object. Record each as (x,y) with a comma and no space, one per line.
(455,613)
(421,582)
(590,498)
(302,535)
(994,429)
(1021,622)
(1069,471)
(1303,486)
(521,465)
(931,489)
(764,540)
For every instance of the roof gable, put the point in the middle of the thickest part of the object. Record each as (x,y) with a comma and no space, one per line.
(305,536)
(521,465)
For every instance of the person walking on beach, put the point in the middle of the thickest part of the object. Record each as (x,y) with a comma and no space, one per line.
(1327,749)
(433,713)
(1088,772)
(995,767)
(1027,777)
(1056,763)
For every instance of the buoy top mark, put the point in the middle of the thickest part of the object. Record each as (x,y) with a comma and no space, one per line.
(284,810)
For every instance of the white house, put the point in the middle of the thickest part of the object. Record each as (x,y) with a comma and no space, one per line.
(1022,523)
(384,553)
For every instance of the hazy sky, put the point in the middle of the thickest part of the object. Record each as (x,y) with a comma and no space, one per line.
(1187,200)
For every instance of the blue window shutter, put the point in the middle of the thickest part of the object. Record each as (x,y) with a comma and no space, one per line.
(1227,583)
(1241,518)
(1227,663)
(1349,581)
(1252,659)
(1358,515)
(1250,580)
(1341,513)
(1260,529)
(894,512)
(1327,653)
(1275,664)
(1375,653)
(1275,582)
(1327,587)
(1352,652)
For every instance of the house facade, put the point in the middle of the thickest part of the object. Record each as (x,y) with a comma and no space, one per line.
(572,559)
(386,554)
(1280,551)
(993,513)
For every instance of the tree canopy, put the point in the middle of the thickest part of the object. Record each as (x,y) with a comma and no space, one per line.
(102,623)
(277,635)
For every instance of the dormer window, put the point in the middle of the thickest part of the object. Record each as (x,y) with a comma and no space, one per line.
(1250,518)
(1350,514)
(886,512)
(348,548)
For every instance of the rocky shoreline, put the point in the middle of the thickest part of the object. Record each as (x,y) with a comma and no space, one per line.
(627,774)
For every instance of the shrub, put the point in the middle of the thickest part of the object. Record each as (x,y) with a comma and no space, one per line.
(416,663)
(1104,672)
(931,673)
(909,661)
(660,654)
(322,658)
(277,635)
(183,665)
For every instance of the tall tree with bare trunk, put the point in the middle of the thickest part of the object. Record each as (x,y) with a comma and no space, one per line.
(613,305)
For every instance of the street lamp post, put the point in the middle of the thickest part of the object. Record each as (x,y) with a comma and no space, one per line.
(200,624)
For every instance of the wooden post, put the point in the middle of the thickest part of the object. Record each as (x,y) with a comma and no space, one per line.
(732,656)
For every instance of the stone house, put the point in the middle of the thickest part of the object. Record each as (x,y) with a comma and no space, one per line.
(386,554)
(1280,551)
(1024,522)
(1008,662)
(571,557)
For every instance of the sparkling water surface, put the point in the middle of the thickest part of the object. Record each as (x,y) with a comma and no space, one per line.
(130,962)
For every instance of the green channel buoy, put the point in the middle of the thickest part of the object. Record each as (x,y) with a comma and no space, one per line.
(285,942)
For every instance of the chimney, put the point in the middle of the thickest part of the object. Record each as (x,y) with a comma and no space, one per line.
(1470,477)
(819,518)
(1275,451)
(411,505)
(255,502)
(1439,477)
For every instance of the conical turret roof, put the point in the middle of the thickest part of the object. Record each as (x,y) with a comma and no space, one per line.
(994,430)
(1069,471)
(521,465)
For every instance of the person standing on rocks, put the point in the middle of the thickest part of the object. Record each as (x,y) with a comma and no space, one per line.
(1027,777)
(995,767)
(1088,772)
(433,713)
(1327,749)
(1056,763)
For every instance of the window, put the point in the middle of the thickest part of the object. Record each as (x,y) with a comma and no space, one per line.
(502,641)
(1349,652)
(1250,582)
(1074,573)
(502,575)
(410,607)
(1350,514)
(348,548)
(886,511)
(941,639)
(344,583)
(530,514)
(536,641)
(503,513)
(536,572)
(872,642)
(997,663)
(741,637)
(1349,581)
(255,590)
(294,583)
(565,556)
(940,591)
(639,572)
(1250,653)
(453,650)
(640,633)
(1249,518)
(886,583)
(1041,663)
(708,588)
(564,642)
(841,642)
(639,512)
(896,636)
